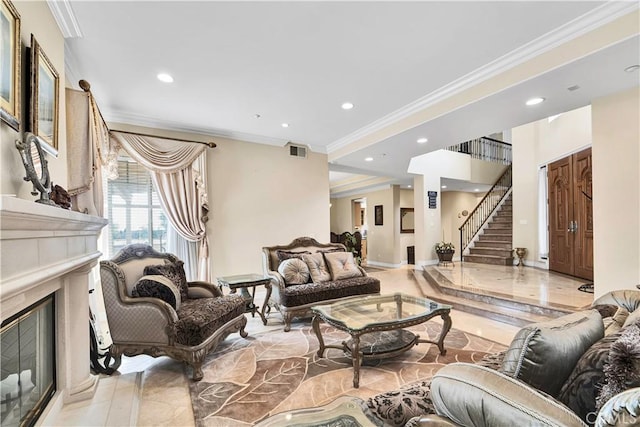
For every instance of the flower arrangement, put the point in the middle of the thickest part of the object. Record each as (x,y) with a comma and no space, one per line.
(444,247)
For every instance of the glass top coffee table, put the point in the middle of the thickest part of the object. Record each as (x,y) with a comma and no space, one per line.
(376,324)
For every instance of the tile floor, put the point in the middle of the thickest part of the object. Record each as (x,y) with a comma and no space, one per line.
(164,395)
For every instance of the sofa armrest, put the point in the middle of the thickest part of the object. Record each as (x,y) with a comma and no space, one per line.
(468,394)
(200,289)
(623,409)
(431,420)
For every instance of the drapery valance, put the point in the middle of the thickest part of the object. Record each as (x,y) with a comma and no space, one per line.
(178,170)
(161,155)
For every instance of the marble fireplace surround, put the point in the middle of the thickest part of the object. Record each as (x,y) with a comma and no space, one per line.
(46,250)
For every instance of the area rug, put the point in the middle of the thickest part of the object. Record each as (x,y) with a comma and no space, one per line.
(246,380)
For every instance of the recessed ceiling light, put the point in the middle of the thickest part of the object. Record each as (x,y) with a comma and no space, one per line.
(422,140)
(368,159)
(444,186)
(534,101)
(285,125)
(164,77)
(632,68)
(408,186)
(477,189)
(347,106)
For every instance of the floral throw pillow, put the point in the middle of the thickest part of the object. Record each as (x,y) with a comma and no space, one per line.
(397,407)
(172,271)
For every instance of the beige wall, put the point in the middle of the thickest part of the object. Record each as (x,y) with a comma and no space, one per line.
(616,196)
(453,203)
(258,196)
(385,245)
(534,145)
(36,18)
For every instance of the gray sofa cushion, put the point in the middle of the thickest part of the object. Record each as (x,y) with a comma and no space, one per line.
(199,318)
(308,293)
(536,350)
(473,395)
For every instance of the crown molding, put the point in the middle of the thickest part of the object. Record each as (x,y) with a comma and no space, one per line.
(147,121)
(588,22)
(65,18)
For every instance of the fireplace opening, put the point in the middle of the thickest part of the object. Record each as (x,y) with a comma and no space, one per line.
(27,368)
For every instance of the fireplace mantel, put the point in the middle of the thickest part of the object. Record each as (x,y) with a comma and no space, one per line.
(47,250)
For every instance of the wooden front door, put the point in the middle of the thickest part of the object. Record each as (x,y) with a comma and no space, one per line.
(571,216)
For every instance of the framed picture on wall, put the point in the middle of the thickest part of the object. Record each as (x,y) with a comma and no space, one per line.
(377,212)
(10,65)
(45,92)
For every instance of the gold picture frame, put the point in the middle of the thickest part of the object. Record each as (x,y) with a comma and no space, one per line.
(45,94)
(10,54)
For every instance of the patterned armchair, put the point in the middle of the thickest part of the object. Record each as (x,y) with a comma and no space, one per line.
(153,310)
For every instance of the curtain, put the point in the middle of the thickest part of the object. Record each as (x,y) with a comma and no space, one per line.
(178,171)
(88,150)
(543,221)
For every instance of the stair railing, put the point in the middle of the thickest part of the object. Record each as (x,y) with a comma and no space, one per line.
(485,148)
(483,211)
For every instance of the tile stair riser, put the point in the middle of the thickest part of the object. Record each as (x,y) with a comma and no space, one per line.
(491,251)
(485,259)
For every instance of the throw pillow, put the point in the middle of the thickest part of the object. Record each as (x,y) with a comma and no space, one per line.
(158,286)
(622,368)
(544,354)
(633,317)
(294,271)
(285,255)
(342,265)
(581,389)
(172,271)
(317,267)
(397,407)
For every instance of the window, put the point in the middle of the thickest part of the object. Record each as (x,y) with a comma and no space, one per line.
(133,209)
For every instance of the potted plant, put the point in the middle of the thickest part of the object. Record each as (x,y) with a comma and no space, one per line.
(445,251)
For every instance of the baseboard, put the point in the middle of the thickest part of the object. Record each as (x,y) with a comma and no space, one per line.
(383,264)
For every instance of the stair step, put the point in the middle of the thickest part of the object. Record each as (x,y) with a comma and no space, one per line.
(493,307)
(501,252)
(489,259)
(494,225)
(488,244)
(503,218)
(493,231)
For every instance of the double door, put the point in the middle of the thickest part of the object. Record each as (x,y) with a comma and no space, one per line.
(571,215)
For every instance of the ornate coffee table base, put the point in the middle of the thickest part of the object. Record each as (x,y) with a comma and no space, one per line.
(366,345)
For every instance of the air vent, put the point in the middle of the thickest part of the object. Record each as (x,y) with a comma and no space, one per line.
(297,151)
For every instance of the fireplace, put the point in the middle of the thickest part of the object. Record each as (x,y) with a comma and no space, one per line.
(48,259)
(27,370)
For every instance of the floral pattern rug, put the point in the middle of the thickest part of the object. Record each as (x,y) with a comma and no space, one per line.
(246,380)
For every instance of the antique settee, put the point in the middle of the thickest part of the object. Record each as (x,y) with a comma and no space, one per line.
(331,274)
(152,309)
(577,370)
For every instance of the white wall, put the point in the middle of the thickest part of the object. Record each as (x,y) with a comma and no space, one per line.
(616,191)
(35,18)
(534,145)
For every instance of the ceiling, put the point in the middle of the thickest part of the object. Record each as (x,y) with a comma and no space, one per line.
(242,69)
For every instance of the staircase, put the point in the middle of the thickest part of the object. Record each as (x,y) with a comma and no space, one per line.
(495,243)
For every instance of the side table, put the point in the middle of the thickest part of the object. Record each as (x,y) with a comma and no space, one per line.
(244,281)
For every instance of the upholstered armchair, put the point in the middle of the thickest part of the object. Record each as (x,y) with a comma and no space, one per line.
(153,310)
